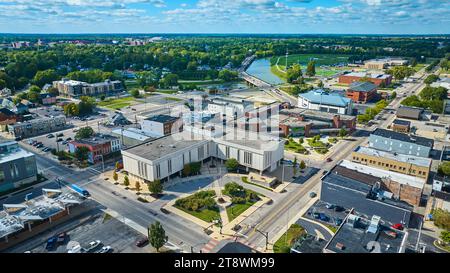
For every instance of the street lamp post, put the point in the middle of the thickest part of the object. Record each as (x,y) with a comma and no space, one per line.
(103,164)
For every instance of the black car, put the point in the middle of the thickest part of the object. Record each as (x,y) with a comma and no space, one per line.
(142,242)
(60,135)
(339,208)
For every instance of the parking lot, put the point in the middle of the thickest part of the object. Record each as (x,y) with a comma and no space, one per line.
(329,214)
(52,141)
(109,231)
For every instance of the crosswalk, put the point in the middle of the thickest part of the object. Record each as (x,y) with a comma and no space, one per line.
(210,246)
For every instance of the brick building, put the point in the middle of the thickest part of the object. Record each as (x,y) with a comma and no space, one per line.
(401,126)
(405,164)
(362,92)
(98,145)
(376,78)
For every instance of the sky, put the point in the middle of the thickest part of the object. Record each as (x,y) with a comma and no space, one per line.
(226,16)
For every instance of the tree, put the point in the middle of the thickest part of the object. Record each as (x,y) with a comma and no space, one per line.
(71,109)
(302,165)
(115,176)
(155,187)
(300,141)
(86,105)
(46,76)
(34,89)
(445,236)
(232,164)
(135,93)
(444,168)
(53,91)
(294,73)
(311,69)
(320,84)
(85,132)
(81,153)
(393,95)
(342,132)
(431,78)
(294,167)
(227,75)
(126,181)
(157,235)
(401,72)
(117,165)
(137,186)
(187,170)
(170,80)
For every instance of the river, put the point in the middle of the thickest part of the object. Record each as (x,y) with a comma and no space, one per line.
(261,69)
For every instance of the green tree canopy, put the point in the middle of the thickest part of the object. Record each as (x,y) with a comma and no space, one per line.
(85,132)
(155,187)
(81,153)
(311,68)
(45,76)
(232,164)
(157,235)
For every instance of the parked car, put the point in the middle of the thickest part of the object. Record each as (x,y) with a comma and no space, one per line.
(40,145)
(312,194)
(59,140)
(51,243)
(62,237)
(50,136)
(337,221)
(329,206)
(329,159)
(142,242)
(398,226)
(105,249)
(323,217)
(60,135)
(92,245)
(68,139)
(339,208)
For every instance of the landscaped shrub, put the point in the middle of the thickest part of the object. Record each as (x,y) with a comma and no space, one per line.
(197,201)
(238,200)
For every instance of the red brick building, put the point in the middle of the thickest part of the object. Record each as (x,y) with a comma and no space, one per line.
(378,79)
(7,117)
(362,92)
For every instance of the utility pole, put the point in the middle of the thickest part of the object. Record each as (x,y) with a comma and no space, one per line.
(265,234)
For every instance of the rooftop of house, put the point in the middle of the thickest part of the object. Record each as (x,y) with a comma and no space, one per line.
(162,118)
(320,96)
(361,235)
(409,111)
(415,160)
(403,179)
(401,122)
(404,137)
(7,112)
(362,86)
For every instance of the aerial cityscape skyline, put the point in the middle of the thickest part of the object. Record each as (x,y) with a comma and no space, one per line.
(237,16)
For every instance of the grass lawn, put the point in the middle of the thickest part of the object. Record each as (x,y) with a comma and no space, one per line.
(167,91)
(117,103)
(173,99)
(131,84)
(235,210)
(295,147)
(332,228)
(286,241)
(419,66)
(207,215)
(245,180)
(303,59)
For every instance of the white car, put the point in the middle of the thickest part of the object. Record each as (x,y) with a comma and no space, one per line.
(105,249)
(94,244)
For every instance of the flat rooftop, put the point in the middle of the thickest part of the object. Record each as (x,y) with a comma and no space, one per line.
(312,114)
(309,244)
(397,177)
(401,122)
(137,135)
(97,139)
(404,137)
(355,237)
(155,149)
(13,152)
(369,75)
(415,160)
(162,118)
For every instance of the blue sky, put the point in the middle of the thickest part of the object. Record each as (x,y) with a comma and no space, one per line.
(226,16)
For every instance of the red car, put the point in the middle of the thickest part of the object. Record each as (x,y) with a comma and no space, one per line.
(142,242)
(398,226)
